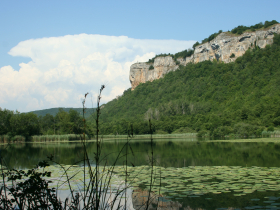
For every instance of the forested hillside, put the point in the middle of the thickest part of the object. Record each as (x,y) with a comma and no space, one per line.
(208,97)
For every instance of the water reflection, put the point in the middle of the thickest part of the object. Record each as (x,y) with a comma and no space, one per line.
(168,153)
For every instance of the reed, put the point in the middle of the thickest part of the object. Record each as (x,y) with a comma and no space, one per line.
(5,138)
(12,139)
(66,137)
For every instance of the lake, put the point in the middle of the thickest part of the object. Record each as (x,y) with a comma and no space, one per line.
(194,174)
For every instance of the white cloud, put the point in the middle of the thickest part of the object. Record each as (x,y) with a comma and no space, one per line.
(63,68)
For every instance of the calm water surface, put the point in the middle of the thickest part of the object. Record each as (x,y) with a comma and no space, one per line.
(168,153)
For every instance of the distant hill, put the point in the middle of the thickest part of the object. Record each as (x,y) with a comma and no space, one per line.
(54,111)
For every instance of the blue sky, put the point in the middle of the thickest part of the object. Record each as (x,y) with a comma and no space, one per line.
(52,52)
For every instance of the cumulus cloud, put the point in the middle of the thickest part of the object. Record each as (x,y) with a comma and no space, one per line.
(63,68)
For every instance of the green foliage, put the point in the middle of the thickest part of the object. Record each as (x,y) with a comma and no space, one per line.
(270,128)
(246,130)
(32,193)
(211,37)
(183,54)
(202,134)
(25,124)
(5,116)
(276,39)
(240,29)
(161,132)
(232,55)
(183,130)
(195,44)
(151,67)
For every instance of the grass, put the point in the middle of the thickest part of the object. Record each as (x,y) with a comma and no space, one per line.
(66,137)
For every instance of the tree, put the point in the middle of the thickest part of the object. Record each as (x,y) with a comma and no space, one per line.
(5,116)
(47,124)
(63,122)
(76,122)
(25,124)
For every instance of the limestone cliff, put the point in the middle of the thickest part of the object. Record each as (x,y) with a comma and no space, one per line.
(141,72)
(226,47)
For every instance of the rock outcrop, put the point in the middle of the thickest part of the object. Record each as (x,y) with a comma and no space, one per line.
(141,72)
(226,47)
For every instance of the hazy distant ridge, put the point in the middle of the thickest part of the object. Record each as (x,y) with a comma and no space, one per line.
(54,111)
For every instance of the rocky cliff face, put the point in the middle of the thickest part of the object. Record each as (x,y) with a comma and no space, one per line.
(226,47)
(140,72)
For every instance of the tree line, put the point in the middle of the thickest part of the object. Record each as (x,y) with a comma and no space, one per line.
(29,124)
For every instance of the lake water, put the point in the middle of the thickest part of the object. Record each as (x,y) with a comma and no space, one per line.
(181,157)
(168,153)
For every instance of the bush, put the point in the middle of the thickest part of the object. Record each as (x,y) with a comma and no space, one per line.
(247,130)
(195,44)
(19,138)
(184,130)
(221,132)
(151,67)
(202,134)
(232,55)
(183,54)
(240,29)
(270,128)
(160,132)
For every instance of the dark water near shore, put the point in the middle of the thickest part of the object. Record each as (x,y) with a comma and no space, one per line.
(168,153)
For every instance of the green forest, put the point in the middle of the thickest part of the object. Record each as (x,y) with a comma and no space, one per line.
(212,98)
